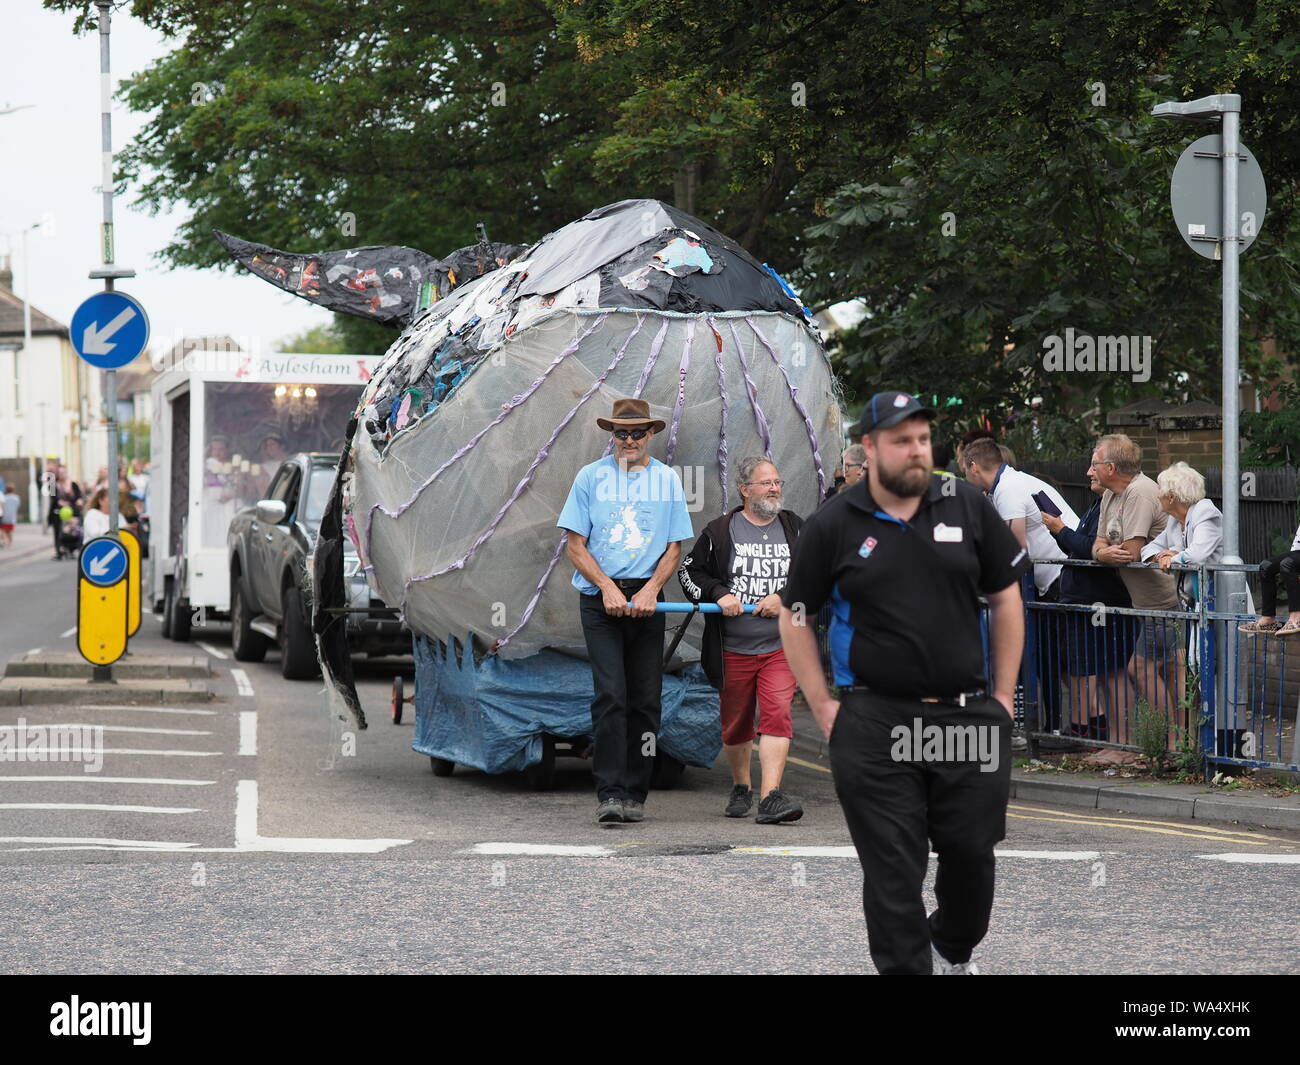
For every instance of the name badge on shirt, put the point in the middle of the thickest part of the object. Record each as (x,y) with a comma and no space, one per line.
(947,534)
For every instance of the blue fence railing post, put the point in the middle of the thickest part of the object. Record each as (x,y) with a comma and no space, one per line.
(1209,673)
(1029,669)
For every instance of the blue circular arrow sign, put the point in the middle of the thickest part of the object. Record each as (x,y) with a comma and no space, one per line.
(103,561)
(109,330)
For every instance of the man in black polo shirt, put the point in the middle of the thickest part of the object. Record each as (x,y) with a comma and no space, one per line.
(920,749)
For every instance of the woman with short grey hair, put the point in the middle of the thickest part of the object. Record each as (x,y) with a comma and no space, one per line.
(1194,535)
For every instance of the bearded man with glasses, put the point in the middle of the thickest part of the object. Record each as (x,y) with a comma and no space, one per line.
(743,557)
(626,517)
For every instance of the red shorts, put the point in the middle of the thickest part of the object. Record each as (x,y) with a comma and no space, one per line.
(6,528)
(763,678)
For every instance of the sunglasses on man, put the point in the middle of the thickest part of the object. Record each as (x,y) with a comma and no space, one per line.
(635,434)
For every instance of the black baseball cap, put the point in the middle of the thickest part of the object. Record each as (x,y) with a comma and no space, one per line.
(886,409)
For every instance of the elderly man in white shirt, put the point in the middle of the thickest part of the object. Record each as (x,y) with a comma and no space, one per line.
(1012,493)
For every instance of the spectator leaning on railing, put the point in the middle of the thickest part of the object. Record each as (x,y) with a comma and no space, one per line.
(1131,517)
(1287,569)
(1193,536)
(1097,647)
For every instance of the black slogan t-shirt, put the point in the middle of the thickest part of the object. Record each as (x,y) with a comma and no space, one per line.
(909,591)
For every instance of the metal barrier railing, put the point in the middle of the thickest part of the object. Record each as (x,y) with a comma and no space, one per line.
(1094,675)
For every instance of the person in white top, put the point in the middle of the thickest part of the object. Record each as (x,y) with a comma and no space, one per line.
(1012,493)
(1193,536)
(1286,568)
(95,521)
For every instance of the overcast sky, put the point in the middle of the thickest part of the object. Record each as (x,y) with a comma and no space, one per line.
(49,165)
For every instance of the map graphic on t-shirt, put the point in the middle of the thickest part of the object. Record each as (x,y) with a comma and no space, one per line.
(626,532)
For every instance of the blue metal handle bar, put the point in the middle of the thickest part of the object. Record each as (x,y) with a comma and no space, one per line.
(694,608)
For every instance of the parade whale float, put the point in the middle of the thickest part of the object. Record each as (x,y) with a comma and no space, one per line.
(468,436)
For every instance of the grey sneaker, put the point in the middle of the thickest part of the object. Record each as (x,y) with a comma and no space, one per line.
(1018,741)
(610,812)
(633,811)
(944,967)
(776,808)
(740,801)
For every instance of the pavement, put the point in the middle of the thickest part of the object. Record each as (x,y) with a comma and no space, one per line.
(30,541)
(1097,791)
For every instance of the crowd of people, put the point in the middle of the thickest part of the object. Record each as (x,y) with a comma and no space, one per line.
(904,558)
(76,514)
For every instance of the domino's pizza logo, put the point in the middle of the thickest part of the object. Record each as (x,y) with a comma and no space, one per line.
(868,545)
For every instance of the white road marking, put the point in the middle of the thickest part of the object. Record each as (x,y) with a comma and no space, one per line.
(801,852)
(248,732)
(242,681)
(562,849)
(575,851)
(1253,859)
(97,806)
(117,750)
(112,728)
(210,649)
(1052,856)
(138,709)
(247,838)
(112,844)
(71,632)
(92,778)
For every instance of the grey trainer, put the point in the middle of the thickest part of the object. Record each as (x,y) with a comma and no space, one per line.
(610,812)
(777,808)
(740,801)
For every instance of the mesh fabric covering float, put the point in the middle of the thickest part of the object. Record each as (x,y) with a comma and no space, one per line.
(471,431)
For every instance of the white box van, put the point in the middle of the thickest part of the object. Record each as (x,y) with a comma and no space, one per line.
(222,423)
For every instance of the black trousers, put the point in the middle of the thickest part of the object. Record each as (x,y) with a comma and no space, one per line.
(896,808)
(627,672)
(1286,567)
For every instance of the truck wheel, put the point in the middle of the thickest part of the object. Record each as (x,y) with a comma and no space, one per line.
(541,777)
(248,646)
(180,628)
(442,767)
(297,648)
(168,607)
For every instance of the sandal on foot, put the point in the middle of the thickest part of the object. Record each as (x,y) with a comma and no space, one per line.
(1265,627)
(1289,629)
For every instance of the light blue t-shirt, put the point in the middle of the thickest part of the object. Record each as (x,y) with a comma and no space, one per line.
(628,517)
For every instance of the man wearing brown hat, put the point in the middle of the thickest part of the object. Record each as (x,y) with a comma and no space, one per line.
(626,517)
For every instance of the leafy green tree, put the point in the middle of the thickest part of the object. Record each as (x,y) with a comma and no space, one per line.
(318,340)
(980,174)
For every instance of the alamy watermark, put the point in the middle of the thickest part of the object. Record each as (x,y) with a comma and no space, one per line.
(615,486)
(1084,353)
(53,743)
(919,742)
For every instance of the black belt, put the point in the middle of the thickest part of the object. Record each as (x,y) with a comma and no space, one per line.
(635,585)
(946,700)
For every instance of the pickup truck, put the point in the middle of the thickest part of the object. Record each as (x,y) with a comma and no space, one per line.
(269,546)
